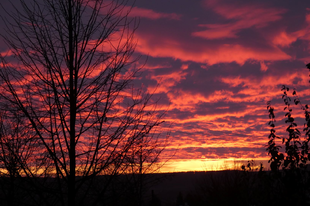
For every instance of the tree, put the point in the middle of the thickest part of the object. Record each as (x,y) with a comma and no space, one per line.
(72,84)
(11,147)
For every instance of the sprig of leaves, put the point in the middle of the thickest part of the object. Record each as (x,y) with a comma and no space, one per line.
(273,149)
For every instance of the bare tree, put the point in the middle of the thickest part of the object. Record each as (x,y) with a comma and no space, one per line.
(143,160)
(72,82)
(11,149)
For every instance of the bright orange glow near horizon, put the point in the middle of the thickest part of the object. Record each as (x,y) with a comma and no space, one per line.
(204,165)
(212,65)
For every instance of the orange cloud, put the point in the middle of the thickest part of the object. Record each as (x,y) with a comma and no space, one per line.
(268,81)
(166,81)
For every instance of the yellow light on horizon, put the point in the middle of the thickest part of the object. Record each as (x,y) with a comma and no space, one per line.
(209,165)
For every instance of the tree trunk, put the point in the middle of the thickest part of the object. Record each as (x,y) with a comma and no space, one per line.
(71,186)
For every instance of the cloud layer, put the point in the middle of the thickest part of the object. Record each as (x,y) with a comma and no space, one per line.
(217,65)
(212,65)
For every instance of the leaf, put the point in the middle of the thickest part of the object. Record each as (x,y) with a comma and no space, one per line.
(283,87)
(271,136)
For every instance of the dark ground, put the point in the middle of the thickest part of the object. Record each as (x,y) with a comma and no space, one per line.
(216,188)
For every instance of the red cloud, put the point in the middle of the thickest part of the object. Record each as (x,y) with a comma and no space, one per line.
(166,81)
(156,46)
(263,66)
(285,39)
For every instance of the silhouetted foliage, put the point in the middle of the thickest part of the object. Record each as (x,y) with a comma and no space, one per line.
(296,150)
(290,174)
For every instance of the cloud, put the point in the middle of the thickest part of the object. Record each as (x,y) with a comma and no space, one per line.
(285,39)
(242,16)
(216,66)
(7,53)
(167,81)
(202,53)
(263,66)
(150,14)
(230,32)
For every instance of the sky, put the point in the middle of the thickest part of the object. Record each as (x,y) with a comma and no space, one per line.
(216,64)
(213,65)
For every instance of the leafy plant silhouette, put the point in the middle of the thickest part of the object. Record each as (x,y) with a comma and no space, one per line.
(296,150)
(289,168)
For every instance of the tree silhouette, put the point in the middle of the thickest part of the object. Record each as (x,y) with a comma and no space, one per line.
(296,150)
(72,83)
(12,145)
(293,180)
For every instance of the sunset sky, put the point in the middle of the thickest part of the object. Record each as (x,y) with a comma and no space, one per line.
(213,65)
(217,63)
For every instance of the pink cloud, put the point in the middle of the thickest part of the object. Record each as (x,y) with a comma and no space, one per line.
(285,39)
(124,10)
(7,53)
(250,12)
(268,81)
(245,17)
(156,46)
(150,14)
(165,82)
(263,66)
(216,31)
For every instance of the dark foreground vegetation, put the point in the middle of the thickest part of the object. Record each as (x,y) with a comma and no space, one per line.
(230,187)
(236,187)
